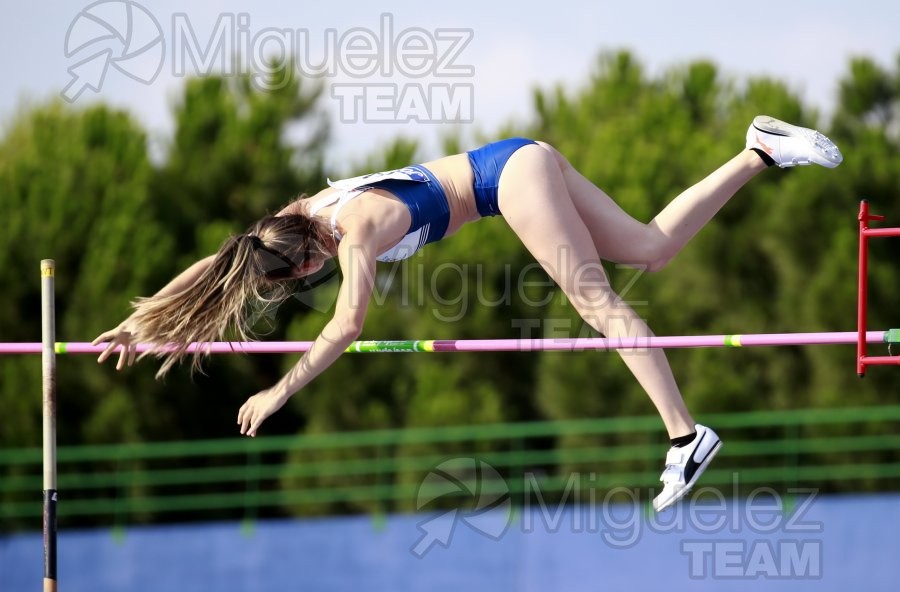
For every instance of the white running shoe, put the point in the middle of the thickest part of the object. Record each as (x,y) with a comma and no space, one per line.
(685,465)
(790,145)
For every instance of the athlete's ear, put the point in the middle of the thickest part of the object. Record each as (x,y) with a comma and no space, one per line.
(309,267)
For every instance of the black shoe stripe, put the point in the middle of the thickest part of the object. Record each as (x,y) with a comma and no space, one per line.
(771,132)
(690,467)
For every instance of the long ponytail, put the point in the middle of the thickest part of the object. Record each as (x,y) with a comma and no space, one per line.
(247,272)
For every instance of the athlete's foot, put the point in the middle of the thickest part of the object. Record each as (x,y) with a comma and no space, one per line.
(790,145)
(684,465)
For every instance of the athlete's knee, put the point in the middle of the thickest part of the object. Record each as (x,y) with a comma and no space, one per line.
(653,252)
(657,262)
(590,292)
(605,315)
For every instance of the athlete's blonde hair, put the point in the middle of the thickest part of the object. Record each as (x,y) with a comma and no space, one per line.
(248,270)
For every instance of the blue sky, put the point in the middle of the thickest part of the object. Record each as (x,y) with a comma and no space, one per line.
(514,47)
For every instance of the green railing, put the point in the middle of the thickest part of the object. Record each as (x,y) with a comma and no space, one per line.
(851,449)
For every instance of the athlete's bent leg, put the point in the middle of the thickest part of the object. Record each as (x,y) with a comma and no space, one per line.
(535,202)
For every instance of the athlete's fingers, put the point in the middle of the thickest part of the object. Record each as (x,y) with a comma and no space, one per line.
(123,356)
(132,353)
(257,421)
(107,352)
(102,337)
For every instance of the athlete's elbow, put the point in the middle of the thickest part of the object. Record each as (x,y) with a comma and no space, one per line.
(350,328)
(353,332)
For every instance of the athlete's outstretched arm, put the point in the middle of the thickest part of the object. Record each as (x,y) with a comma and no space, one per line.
(356,255)
(121,335)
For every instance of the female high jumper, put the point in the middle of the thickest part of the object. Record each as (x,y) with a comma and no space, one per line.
(389,216)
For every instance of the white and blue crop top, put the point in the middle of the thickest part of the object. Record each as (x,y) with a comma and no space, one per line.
(416,187)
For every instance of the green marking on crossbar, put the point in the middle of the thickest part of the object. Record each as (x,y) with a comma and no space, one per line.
(733,341)
(388,346)
(892,336)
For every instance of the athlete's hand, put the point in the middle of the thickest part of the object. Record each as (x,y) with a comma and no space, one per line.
(118,337)
(257,409)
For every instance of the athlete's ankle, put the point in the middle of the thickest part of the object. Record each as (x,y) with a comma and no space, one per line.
(765,157)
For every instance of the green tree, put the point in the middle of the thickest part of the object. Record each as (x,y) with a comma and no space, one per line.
(77,185)
(74,188)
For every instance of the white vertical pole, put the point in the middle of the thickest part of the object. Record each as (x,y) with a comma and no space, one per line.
(48,366)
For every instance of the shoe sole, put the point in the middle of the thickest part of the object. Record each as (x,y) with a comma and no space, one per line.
(687,488)
(830,155)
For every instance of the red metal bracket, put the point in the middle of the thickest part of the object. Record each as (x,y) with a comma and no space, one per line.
(865,233)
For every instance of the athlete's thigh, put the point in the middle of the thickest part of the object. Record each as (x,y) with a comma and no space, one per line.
(536,204)
(617,236)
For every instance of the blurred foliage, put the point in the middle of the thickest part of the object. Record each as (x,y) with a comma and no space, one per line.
(76,184)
